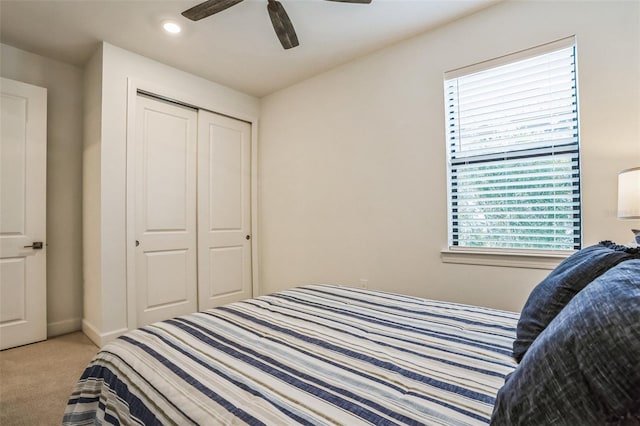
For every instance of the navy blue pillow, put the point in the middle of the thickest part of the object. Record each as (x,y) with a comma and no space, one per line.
(584,368)
(549,297)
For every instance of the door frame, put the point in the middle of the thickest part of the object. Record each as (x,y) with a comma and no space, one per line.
(200,102)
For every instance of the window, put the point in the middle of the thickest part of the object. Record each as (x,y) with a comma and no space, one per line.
(512,139)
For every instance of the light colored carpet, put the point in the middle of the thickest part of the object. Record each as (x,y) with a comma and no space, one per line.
(36,380)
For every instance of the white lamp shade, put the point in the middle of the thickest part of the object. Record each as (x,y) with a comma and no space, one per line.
(629,194)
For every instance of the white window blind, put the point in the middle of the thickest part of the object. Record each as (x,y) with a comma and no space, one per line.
(512,139)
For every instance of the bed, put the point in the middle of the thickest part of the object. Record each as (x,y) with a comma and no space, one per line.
(317,354)
(326,354)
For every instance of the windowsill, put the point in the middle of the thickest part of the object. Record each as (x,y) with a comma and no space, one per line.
(512,259)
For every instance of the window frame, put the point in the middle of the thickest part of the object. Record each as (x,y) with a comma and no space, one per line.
(517,257)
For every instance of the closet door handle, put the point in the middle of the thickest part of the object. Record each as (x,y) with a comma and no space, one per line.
(248,237)
(36,245)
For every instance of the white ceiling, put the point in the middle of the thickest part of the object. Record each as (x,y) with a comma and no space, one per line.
(237,47)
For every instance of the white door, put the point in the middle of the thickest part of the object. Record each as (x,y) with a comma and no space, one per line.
(23,174)
(224,210)
(165,210)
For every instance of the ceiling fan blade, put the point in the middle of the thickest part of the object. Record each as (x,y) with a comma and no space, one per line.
(282,25)
(353,1)
(208,8)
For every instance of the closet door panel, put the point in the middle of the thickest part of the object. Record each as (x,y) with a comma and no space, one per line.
(224,210)
(226,179)
(226,275)
(165,156)
(167,278)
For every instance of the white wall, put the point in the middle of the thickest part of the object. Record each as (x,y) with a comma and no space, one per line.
(91,204)
(64,179)
(109,284)
(352,162)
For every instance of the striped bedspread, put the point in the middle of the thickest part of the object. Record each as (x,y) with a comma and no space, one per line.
(314,355)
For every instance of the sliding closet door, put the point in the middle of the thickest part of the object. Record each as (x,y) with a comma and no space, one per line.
(224,210)
(165,210)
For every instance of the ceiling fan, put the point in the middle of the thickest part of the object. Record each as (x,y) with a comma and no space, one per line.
(279,18)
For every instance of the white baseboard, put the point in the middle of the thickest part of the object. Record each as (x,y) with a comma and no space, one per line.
(64,327)
(100,339)
(91,332)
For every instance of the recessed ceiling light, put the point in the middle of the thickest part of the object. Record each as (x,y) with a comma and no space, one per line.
(171,27)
